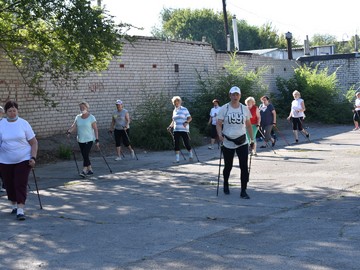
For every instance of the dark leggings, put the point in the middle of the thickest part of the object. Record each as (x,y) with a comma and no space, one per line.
(297,123)
(242,153)
(356,116)
(85,152)
(16,178)
(185,137)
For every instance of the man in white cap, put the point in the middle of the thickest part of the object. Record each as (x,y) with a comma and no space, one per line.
(232,122)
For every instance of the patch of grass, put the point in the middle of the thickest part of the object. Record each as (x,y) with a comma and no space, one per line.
(64,152)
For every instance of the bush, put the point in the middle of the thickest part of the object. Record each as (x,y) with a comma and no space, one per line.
(250,83)
(324,101)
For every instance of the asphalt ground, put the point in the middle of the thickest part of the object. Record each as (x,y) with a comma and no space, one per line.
(304,211)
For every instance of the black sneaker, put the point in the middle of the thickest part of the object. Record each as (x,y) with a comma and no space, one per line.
(90,172)
(308,135)
(14,211)
(226,188)
(83,174)
(273,144)
(263,146)
(20,217)
(244,195)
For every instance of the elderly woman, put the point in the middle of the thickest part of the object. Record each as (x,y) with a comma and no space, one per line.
(180,125)
(268,119)
(254,120)
(356,116)
(87,133)
(18,151)
(297,115)
(120,125)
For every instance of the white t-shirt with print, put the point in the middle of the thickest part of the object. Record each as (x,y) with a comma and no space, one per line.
(234,122)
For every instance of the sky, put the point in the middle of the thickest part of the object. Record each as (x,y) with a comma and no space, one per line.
(301,18)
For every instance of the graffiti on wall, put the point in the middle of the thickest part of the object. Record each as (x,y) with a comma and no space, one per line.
(96,87)
(11,89)
(63,90)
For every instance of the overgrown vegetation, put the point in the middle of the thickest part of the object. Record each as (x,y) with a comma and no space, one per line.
(323,99)
(235,74)
(64,152)
(149,131)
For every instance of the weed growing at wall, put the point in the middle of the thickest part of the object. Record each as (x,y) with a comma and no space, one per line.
(218,86)
(64,152)
(323,100)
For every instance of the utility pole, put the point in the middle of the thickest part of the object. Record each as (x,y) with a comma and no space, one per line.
(226,24)
(99,3)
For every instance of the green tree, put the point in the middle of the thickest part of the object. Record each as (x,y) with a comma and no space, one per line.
(56,39)
(194,24)
(326,39)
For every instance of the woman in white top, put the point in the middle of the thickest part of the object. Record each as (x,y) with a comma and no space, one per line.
(297,115)
(87,133)
(212,121)
(18,151)
(232,123)
(356,116)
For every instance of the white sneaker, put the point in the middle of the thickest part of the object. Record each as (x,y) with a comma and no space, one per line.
(210,147)
(118,158)
(2,190)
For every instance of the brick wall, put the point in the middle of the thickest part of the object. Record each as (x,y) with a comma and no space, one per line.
(146,67)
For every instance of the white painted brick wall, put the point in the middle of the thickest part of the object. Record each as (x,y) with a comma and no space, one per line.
(132,75)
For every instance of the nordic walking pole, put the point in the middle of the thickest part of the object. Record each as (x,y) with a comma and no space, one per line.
(218,182)
(193,148)
(267,144)
(173,140)
(113,138)
(73,152)
(281,135)
(249,166)
(107,164)
(37,189)
(127,136)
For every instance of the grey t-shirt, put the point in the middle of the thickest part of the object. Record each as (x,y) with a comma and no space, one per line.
(119,117)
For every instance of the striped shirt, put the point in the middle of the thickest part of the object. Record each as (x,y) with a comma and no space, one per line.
(179,117)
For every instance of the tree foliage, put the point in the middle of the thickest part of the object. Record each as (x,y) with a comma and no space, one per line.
(194,24)
(59,39)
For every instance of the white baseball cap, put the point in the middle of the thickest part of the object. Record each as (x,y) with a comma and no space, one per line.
(119,102)
(235,89)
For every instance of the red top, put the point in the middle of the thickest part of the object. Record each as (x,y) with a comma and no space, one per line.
(254,119)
